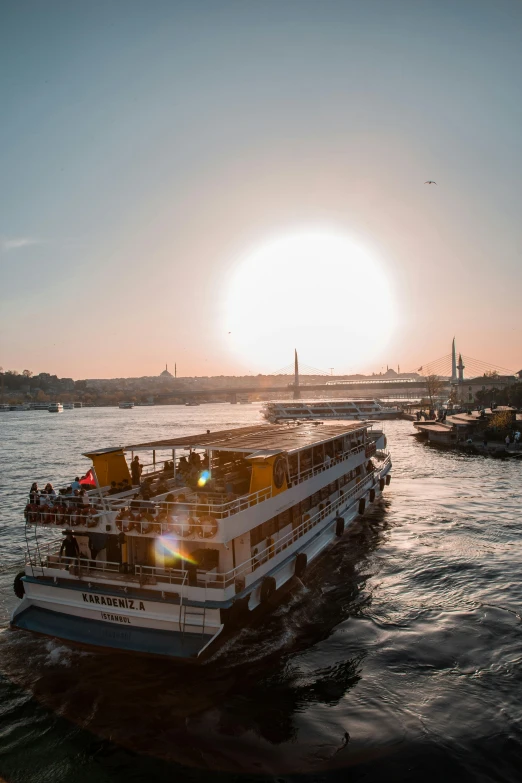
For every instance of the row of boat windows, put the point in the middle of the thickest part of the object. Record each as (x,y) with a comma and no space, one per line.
(294,515)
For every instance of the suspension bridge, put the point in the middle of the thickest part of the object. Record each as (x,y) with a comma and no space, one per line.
(297,379)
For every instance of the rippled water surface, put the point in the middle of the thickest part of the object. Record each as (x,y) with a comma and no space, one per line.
(399,658)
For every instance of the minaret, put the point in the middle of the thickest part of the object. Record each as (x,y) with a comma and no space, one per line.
(175,371)
(453,362)
(461,368)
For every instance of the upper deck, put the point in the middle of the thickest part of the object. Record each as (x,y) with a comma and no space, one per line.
(242,468)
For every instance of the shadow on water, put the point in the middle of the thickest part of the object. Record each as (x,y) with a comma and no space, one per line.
(229,713)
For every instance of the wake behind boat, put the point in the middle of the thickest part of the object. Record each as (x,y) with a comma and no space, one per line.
(220,523)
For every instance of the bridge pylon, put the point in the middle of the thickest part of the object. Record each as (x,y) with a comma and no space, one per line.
(297,390)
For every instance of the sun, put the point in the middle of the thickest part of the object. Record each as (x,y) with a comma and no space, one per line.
(318,291)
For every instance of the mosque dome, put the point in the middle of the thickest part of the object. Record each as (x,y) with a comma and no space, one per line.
(166,373)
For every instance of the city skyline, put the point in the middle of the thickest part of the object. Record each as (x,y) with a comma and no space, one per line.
(212,181)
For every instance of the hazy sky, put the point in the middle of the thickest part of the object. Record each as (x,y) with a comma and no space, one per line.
(148,147)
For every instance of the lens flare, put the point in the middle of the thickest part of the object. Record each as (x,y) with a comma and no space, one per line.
(170,546)
(202,480)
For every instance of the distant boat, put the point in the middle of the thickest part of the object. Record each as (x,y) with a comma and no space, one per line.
(191,404)
(125,405)
(293,410)
(68,406)
(55,407)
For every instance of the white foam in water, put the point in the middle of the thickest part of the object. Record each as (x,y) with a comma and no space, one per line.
(60,655)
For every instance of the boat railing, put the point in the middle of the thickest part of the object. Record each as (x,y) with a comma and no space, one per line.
(47,555)
(309,522)
(198,513)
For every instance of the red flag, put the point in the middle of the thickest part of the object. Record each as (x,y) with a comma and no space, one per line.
(88,479)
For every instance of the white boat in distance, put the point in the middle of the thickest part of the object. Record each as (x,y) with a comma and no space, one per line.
(55,407)
(125,405)
(227,521)
(309,410)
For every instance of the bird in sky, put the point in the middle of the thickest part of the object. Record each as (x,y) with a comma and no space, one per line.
(430,182)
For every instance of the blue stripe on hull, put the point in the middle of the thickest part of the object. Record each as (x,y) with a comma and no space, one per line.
(171,644)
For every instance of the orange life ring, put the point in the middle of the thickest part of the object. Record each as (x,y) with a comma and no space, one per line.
(208,527)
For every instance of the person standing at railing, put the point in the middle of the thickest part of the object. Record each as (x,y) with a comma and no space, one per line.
(70,547)
(34,493)
(136,469)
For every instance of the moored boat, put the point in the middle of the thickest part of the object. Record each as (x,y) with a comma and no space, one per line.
(309,410)
(125,405)
(55,407)
(222,523)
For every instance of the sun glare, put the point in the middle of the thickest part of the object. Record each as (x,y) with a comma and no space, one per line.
(319,292)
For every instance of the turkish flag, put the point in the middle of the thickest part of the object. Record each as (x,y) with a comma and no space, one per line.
(88,479)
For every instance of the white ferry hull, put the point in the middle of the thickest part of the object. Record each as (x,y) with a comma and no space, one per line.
(105,617)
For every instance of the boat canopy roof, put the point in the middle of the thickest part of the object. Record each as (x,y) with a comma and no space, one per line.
(263,439)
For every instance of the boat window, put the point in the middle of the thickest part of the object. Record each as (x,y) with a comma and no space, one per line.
(315,499)
(306,505)
(256,535)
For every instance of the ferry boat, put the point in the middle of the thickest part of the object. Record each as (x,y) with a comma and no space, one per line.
(125,405)
(295,410)
(68,406)
(220,528)
(55,407)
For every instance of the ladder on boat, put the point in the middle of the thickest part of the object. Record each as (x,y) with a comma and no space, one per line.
(193,616)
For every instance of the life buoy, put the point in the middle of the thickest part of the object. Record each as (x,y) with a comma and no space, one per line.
(268,588)
(33,512)
(146,527)
(388,479)
(279,472)
(183,529)
(372,495)
(18,585)
(362,505)
(26,511)
(339,526)
(301,562)
(208,527)
(59,515)
(381,484)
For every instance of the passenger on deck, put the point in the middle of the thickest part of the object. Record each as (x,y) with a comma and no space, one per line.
(33,493)
(125,486)
(114,489)
(183,465)
(50,489)
(69,546)
(195,461)
(76,484)
(136,469)
(84,498)
(205,463)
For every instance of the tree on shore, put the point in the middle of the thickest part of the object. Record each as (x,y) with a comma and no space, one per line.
(434,386)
